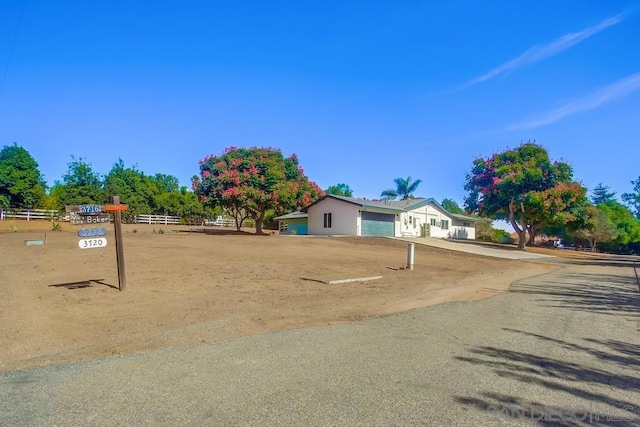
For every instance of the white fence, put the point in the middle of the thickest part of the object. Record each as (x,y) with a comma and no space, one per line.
(220,221)
(29,214)
(53,215)
(158,219)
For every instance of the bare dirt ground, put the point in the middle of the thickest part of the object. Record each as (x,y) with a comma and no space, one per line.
(184,287)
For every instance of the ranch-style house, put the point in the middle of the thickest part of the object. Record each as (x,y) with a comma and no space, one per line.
(339,215)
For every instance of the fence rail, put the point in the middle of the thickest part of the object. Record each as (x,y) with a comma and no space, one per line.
(29,214)
(158,219)
(220,221)
(54,215)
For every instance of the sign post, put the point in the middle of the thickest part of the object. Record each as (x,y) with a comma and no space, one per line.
(94,237)
(117,225)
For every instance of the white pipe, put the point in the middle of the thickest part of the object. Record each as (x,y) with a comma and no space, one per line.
(410,255)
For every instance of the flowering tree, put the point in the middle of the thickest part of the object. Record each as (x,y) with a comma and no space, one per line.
(249,181)
(524,187)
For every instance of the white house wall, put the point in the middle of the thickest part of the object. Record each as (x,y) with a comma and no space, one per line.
(411,223)
(461,231)
(344,218)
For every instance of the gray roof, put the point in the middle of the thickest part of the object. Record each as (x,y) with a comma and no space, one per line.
(371,204)
(464,217)
(292,215)
(395,205)
(409,204)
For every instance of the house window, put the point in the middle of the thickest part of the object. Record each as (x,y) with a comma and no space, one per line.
(433,222)
(466,224)
(327,220)
(284,226)
(444,224)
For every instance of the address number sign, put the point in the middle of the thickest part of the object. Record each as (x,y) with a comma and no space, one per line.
(100,242)
(92,232)
(90,209)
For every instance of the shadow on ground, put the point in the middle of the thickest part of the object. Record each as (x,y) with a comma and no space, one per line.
(563,376)
(83,284)
(608,394)
(606,293)
(602,261)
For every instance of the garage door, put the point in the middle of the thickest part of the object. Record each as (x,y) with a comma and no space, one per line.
(378,224)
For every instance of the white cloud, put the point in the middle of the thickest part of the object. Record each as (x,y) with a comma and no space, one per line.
(609,93)
(538,53)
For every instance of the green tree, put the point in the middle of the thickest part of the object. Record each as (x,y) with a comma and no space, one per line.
(404,189)
(340,190)
(134,188)
(627,226)
(157,194)
(602,194)
(452,206)
(524,187)
(485,231)
(600,230)
(633,199)
(80,185)
(167,183)
(21,183)
(564,204)
(182,203)
(254,180)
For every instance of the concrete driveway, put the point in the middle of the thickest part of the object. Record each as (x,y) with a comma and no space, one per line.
(558,349)
(473,248)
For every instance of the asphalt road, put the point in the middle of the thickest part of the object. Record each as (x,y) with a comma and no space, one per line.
(559,349)
(471,247)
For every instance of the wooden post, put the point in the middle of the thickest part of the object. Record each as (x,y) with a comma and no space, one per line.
(122,281)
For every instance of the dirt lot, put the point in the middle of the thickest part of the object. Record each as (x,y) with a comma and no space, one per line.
(186,287)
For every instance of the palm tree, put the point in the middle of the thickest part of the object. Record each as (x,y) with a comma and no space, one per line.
(404,189)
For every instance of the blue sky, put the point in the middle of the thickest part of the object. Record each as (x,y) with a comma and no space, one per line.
(362,91)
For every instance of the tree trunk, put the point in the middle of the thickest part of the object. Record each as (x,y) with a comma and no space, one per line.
(522,235)
(534,230)
(522,232)
(238,215)
(259,219)
(532,235)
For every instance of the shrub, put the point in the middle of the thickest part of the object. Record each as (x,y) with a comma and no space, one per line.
(501,236)
(55,226)
(507,240)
